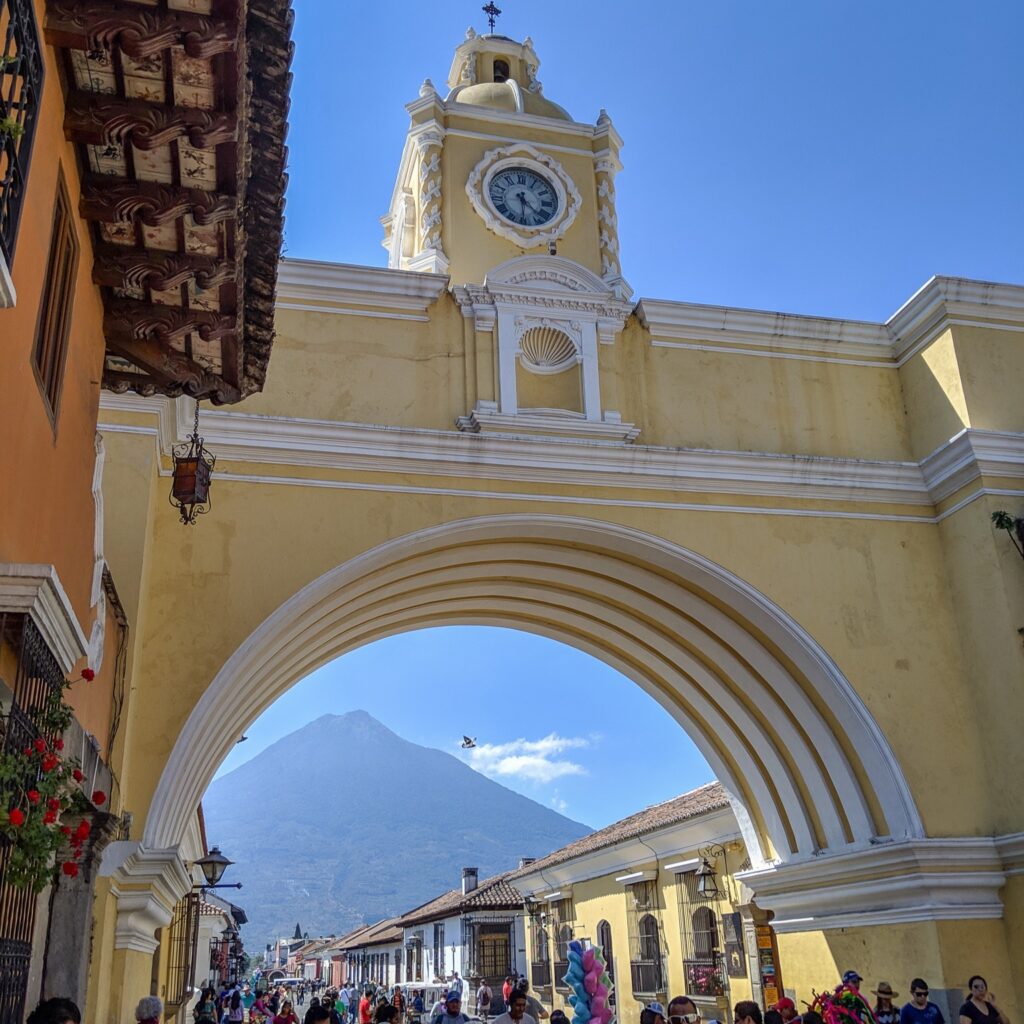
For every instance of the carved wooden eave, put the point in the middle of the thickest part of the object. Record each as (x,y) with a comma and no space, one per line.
(179,111)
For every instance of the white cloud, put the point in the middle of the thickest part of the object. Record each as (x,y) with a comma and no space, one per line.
(534,760)
(559,804)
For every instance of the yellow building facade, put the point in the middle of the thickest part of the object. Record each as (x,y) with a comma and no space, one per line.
(777,525)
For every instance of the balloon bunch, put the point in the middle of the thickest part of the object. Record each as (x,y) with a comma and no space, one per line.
(591,986)
(844,1005)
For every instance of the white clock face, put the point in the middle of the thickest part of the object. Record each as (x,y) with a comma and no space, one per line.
(523,196)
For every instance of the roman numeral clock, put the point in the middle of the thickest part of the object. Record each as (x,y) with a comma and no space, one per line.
(523,195)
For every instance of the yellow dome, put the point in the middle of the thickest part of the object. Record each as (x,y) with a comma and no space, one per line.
(508,96)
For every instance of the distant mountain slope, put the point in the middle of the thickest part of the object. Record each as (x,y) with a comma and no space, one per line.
(343,822)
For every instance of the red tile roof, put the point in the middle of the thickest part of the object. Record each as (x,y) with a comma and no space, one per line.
(710,797)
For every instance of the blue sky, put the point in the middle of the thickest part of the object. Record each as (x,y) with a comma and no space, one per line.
(822,157)
(812,156)
(550,722)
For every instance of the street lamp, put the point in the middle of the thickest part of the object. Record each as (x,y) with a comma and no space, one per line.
(707,880)
(213,866)
(193,467)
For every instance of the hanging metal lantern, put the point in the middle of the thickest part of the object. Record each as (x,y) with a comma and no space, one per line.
(193,468)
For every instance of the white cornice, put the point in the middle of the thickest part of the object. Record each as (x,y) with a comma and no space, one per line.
(941,302)
(901,882)
(1011,850)
(514,448)
(670,321)
(310,281)
(36,591)
(969,455)
(954,300)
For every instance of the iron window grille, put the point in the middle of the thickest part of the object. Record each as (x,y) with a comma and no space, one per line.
(21,90)
(540,964)
(700,940)
(439,972)
(646,961)
(182,941)
(564,916)
(488,946)
(37,676)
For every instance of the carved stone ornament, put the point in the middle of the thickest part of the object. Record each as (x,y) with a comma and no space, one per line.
(523,155)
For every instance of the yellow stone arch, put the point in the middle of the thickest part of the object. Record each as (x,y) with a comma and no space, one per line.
(808,769)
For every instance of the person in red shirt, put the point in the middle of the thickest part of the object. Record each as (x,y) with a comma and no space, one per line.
(365,1010)
(506,989)
(286,1014)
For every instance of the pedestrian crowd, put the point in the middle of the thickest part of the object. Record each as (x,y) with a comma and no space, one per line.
(379,1004)
(978,1008)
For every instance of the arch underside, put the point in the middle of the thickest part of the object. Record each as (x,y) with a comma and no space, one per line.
(806,767)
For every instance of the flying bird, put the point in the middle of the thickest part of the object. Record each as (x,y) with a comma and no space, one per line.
(468,742)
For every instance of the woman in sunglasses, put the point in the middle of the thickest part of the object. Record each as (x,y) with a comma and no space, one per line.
(980,1007)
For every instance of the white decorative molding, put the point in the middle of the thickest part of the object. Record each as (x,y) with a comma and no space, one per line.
(939,304)
(537,423)
(331,285)
(147,884)
(97,597)
(8,296)
(546,346)
(970,455)
(35,590)
(1011,851)
(522,154)
(520,454)
(888,883)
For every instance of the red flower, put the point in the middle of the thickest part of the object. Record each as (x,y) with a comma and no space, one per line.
(66,829)
(16,818)
(27,751)
(49,817)
(53,804)
(58,744)
(40,745)
(83,830)
(70,868)
(77,775)
(33,796)
(99,798)
(50,762)
(88,675)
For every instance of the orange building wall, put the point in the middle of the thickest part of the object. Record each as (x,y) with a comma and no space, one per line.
(47,512)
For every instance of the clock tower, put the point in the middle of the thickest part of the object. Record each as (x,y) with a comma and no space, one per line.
(503,192)
(494,170)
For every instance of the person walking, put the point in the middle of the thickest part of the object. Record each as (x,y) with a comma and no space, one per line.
(748,1012)
(484,995)
(506,988)
(885,1012)
(366,1007)
(516,1012)
(919,1010)
(980,1007)
(533,1006)
(205,1011)
(456,984)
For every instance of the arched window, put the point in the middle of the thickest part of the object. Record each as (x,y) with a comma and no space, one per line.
(647,933)
(705,932)
(604,940)
(501,70)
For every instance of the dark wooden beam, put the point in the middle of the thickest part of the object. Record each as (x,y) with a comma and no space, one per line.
(173,371)
(118,200)
(118,266)
(99,120)
(140,32)
(127,318)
